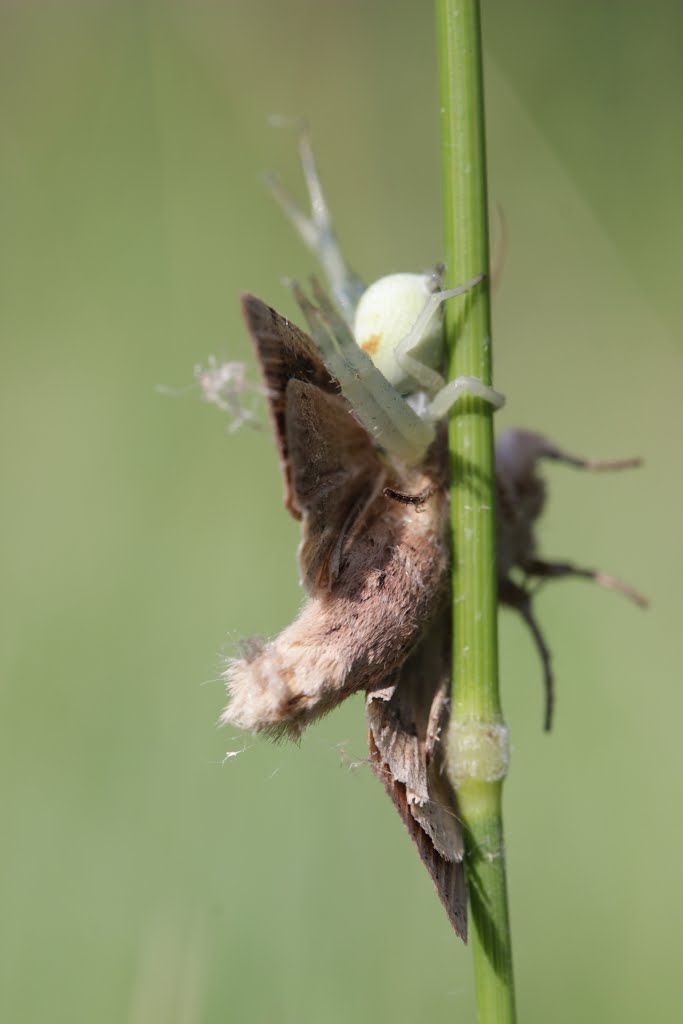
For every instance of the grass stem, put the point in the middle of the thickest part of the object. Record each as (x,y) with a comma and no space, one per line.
(478,737)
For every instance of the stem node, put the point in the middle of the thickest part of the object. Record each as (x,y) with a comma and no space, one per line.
(478,751)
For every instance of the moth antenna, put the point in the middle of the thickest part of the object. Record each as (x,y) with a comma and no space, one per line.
(561,570)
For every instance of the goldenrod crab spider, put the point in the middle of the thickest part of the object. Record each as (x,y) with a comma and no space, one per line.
(385,347)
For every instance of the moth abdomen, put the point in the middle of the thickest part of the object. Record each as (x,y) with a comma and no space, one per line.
(347,638)
(296,678)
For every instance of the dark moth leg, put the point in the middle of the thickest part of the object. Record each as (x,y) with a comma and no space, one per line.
(517,597)
(520,599)
(551,451)
(409,499)
(561,570)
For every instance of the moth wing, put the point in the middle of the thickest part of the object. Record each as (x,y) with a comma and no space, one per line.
(284,353)
(335,475)
(407,719)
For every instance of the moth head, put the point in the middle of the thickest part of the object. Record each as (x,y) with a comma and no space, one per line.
(386,313)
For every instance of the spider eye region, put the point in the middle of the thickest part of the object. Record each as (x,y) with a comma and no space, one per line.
(386,314)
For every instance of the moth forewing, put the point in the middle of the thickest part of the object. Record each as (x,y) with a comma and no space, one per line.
(335,476)
(284,353)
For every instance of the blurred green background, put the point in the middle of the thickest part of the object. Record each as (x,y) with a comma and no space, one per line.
(144,880)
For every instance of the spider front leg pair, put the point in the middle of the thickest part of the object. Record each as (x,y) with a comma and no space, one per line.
(316,229)
(403,426)
(385,348)
(444,394)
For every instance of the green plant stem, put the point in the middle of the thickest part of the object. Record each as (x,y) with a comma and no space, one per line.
(477,746)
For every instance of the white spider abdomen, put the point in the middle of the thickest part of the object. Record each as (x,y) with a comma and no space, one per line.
(386,313)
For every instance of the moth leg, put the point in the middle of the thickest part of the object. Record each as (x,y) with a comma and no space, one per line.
(384,413)
(410,499)
(518,598)
(561,570)
(316,229)
(528,446)
(551,451)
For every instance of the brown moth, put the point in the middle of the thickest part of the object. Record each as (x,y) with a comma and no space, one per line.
(358,406)
(374,561)
(376,572)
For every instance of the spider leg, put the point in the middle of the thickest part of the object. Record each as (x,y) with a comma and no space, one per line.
(316,229)
(424,375)
(386,416)
(445,394)
(459,388)
(384,413)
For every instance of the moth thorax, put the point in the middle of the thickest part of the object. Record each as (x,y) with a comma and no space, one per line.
(386,313)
